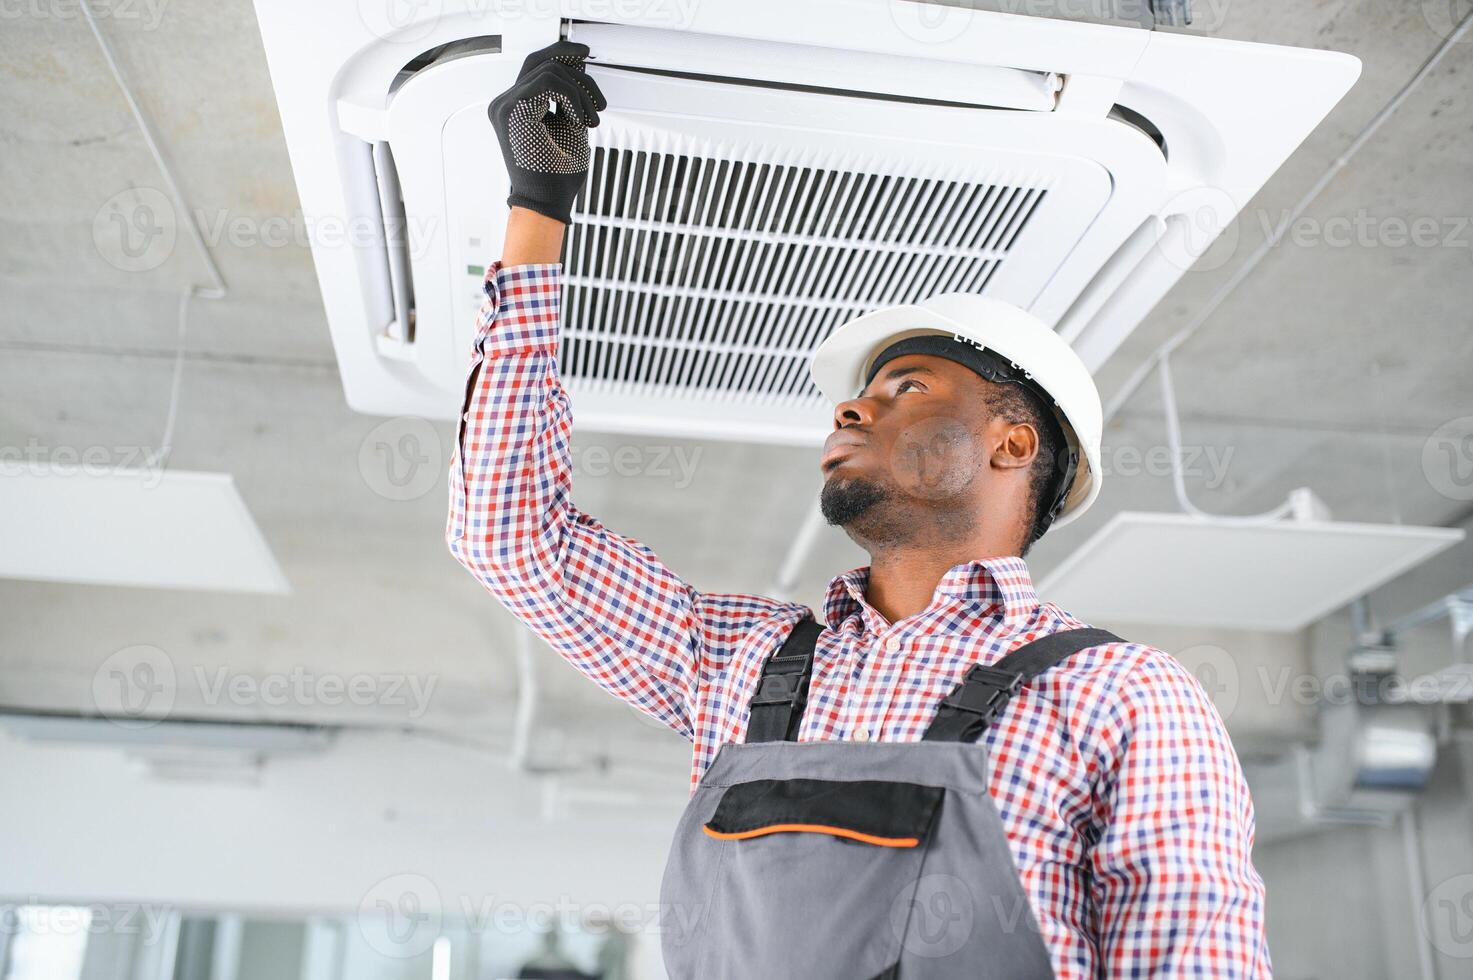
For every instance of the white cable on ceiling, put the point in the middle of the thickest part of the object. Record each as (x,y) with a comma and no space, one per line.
(1138,377)
(160,456)
(218,290)
(1178,478)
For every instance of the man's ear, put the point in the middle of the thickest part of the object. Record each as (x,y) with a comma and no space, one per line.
(1015,445)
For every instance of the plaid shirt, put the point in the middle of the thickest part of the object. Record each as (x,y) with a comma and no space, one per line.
(1124,804)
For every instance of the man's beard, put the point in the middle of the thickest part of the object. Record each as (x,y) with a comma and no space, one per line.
(878,515)
(843,502)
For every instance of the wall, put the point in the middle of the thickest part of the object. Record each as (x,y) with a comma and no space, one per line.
(1345,904)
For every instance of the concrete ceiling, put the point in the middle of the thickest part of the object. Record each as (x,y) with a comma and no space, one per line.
(1329,367)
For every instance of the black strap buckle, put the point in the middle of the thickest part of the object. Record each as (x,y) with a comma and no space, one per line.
(777,689)
(776,710)
(985,692)
(1007,681)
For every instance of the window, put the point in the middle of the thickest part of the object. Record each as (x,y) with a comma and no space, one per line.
(47,942)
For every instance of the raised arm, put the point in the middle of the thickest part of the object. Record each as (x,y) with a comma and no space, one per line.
(604,601)
(531,239)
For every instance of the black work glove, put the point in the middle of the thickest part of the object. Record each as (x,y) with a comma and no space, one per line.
(546,152)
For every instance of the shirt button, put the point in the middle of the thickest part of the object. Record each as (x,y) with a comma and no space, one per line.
(892,645)
(861,736)
(465,416)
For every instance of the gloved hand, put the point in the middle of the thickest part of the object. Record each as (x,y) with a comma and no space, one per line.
(546,152)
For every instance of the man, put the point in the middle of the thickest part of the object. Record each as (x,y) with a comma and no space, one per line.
(963,429)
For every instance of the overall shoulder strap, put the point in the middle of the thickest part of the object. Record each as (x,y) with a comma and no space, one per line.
(782,692)
(982,695)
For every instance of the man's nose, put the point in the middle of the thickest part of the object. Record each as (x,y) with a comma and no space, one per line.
(855,411)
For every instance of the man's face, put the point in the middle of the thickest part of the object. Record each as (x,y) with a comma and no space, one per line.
(913,438)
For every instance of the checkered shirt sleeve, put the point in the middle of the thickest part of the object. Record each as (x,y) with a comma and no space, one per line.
(1173,877)
(602,600)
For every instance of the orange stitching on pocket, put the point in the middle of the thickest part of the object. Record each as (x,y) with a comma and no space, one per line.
(813,828)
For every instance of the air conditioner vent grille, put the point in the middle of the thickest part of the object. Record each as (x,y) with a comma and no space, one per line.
(718,275)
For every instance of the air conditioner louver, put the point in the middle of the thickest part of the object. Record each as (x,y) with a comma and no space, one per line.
(708,273)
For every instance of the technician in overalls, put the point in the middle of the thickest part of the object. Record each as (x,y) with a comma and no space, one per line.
(940,776)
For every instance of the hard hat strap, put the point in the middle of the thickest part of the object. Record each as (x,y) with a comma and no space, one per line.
(994,367)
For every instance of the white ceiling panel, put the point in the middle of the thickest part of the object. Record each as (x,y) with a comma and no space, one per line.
(1180,570)
(162,529)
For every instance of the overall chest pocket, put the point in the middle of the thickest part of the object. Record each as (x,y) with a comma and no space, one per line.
(811,878)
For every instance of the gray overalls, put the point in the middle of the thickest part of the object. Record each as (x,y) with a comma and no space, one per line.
(855,861)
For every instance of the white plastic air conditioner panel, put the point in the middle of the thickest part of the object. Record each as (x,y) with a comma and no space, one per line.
(1230,112)
(898,201)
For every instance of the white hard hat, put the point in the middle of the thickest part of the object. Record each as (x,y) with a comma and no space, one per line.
(840,366)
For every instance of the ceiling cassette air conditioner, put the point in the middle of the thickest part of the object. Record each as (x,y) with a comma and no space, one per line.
(765,171)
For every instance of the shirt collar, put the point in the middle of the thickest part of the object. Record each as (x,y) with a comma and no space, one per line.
(1002,582)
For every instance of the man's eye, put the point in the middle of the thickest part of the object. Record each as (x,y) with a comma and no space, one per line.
(906,386)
